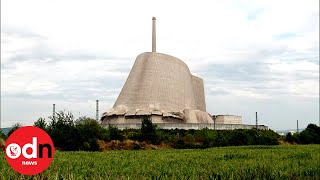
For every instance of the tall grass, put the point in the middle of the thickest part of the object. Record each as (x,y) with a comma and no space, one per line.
(244,162)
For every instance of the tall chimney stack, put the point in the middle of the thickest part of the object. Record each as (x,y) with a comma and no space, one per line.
(256,120)
(54,111)
(97,110)
(153,34)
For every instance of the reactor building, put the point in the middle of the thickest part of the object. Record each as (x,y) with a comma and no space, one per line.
(161,87)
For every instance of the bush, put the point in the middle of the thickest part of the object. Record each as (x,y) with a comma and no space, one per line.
(133,135)
(118,145)
(205,138)
(211,138)
(3,135)
(238,137)
(311,135)
(267,137)
(114,133)
(148,131)
(89,132)
(2,144)
(70,135)
(289,137)
(189,139)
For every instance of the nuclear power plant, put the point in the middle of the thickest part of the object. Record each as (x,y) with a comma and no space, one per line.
(162,88)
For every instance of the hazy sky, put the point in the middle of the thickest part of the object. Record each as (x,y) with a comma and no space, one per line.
(252,55)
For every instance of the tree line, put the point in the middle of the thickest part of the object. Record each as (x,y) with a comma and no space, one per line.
(311,135)
(86,134)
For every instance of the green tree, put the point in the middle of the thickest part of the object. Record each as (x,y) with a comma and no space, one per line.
(289,138)
(89,132)
(63,132)
(114,133)
(14,127)
(41,123)
(311,135)
(148,131)
(238,137)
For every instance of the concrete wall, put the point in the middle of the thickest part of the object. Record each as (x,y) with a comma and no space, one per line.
(198,90)
(157,81)
(137,119)
(189,126)
(160,84)
(228,119)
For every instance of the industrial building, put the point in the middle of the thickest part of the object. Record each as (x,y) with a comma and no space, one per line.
(227,119)
(162,88)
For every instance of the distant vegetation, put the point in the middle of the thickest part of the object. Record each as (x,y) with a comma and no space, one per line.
(14,127)
(3,137)
(188,154)
(311,135)
(86,134)
(242,162)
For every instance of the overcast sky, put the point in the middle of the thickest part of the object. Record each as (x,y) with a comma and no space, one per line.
(252,55)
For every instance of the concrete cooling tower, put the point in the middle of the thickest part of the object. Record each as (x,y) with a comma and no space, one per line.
(160,87)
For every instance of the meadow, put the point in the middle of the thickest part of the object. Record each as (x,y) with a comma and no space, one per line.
(242,162)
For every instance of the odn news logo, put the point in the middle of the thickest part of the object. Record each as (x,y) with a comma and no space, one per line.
(29,150)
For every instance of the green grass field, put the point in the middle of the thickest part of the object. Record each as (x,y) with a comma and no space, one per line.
(246,162)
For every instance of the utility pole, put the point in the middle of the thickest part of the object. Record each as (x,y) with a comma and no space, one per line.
(256,120)
(54,111)
(297,126)
(97,110)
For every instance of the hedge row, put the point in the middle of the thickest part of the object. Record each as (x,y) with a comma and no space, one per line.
(86,134)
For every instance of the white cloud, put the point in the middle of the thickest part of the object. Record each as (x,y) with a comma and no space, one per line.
(302,65)
(79,51)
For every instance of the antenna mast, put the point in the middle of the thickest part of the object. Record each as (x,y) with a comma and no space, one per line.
(153,34)
(97,110)
(256,120)
(54,111)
